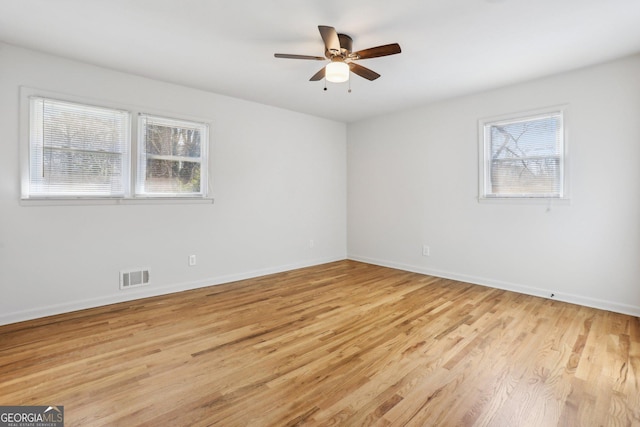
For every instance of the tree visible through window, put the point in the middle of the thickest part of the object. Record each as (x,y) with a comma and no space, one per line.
(171,157)
(523,157)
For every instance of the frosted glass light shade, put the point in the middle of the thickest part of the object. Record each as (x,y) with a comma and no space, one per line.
(337,72)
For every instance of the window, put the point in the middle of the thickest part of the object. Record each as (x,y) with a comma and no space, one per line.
(74,151)
(523,157)
(171,155)
(77,150)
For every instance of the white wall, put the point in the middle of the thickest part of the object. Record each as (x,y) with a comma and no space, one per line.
(278,179)
(413,180)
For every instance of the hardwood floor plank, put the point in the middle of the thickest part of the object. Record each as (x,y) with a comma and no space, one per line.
(344,343)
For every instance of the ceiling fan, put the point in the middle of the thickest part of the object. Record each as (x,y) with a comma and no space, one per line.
(338,49)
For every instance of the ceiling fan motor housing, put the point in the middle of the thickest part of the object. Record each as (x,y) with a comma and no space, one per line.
(346,46)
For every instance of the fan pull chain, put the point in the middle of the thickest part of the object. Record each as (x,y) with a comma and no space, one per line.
(349,91)
(325,83)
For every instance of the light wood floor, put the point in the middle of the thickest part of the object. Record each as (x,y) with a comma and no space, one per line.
(344,343)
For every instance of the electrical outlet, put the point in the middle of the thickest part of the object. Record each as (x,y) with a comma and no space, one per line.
(192,260)
(425,250)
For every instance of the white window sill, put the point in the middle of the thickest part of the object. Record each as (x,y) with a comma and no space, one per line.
(552,201)
(87,201)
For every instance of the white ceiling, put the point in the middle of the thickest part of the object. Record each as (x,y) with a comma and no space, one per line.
(449,47)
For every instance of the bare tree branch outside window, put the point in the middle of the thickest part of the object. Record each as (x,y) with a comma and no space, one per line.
(525,157)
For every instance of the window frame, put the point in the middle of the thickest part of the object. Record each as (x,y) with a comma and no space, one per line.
(130,196)
(484,157)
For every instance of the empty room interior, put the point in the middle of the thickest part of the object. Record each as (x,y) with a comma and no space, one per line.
(361,213)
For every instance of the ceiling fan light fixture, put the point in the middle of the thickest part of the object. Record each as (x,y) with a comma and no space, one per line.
(337,72)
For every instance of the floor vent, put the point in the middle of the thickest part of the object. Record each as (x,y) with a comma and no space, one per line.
(134,278)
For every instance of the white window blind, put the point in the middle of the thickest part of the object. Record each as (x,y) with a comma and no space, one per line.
(77,150)
(172,157)
(524,157)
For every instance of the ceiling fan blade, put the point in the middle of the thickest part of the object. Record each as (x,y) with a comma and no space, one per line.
(330,38)
(378,51)
(363,71)
(288,56)
(318,76)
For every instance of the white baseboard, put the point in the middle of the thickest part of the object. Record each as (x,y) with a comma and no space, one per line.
(528,290)
(147,292)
